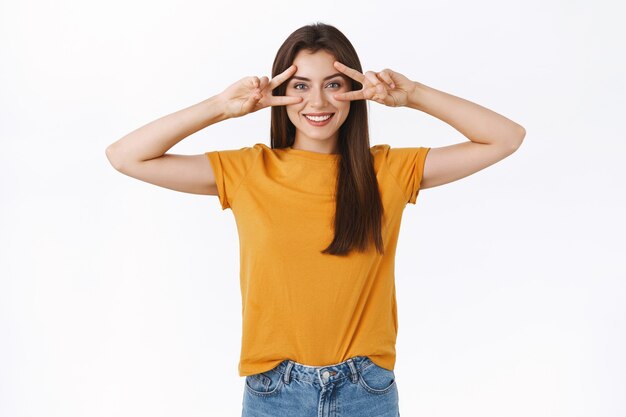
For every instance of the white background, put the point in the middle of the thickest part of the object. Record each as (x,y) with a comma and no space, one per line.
(120,298)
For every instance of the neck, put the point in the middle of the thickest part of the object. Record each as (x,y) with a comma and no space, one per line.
(326,146)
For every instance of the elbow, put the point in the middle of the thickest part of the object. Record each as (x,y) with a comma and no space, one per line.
(522,134)
(114,160)
(518,138)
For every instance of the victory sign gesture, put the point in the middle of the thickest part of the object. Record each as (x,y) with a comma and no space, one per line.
(385,87)
(253,93)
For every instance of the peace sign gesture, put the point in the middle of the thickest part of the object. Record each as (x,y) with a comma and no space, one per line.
(253,93)
(385,87)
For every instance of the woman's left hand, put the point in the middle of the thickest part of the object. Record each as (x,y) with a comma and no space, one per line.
(385,87)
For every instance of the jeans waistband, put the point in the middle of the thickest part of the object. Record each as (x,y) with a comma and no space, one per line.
(323,375)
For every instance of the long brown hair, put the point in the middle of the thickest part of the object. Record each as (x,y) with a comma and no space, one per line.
(359,210)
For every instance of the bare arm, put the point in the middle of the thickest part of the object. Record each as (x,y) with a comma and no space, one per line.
(157,137)
(141,153)
(492,137)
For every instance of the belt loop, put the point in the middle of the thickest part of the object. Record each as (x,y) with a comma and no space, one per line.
(287,375)
(354,374)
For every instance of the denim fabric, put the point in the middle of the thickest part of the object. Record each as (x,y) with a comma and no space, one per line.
(356,387)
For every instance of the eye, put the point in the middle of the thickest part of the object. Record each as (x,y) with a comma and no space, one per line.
(298,85)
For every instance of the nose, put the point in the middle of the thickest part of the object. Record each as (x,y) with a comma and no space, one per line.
(317,98)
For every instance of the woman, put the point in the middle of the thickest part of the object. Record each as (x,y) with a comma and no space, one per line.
(318,215)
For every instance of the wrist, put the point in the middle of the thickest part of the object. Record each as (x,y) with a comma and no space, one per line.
(216,109)
(416,95)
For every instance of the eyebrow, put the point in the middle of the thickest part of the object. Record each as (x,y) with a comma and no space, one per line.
(326,78)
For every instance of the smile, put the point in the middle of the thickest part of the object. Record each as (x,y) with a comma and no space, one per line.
(319,120)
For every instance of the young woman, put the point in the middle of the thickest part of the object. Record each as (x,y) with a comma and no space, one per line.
(318,215)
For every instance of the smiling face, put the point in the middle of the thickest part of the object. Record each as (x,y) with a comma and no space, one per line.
(316,81)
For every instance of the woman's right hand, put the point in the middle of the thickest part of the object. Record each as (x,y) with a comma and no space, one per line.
(251,94)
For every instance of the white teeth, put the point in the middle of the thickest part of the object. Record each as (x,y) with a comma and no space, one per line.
(318,118)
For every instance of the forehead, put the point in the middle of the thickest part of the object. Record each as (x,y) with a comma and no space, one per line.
(313,65)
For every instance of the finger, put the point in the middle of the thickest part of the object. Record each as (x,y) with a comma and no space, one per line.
(280,78)
(350,95)
(263,83)
(284,100)
(381,97)
(249,105)
(352,73)
(372,78)
(373,93)
(254,81)
(386,77)
(375,87)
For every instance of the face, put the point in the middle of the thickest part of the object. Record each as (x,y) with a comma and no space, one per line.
(317,80)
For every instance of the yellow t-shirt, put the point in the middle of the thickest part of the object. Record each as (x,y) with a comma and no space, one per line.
(298,303)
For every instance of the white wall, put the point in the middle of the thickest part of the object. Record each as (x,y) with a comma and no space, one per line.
(120,298)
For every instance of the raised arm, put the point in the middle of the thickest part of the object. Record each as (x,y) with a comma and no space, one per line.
(141,154)
(492,137)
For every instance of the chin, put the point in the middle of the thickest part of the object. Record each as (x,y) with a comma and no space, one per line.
(320,135)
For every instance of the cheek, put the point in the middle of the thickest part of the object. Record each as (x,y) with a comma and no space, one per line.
(343,106)
(292,115)
(339,104)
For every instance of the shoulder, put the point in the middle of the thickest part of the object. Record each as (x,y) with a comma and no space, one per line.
(237,160)
(381,149)
(260,148)
(400,154)
(399,159)
(379,152)
(247,152)
(256,149)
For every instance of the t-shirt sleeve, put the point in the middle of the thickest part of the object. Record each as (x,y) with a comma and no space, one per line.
(407,167)
(230,168)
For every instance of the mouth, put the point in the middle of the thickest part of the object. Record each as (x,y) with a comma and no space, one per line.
(318,119)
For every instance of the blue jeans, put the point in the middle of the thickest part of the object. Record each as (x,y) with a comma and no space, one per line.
(356,387)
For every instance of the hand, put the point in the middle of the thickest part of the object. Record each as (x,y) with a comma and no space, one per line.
(251,94)
(385,87)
